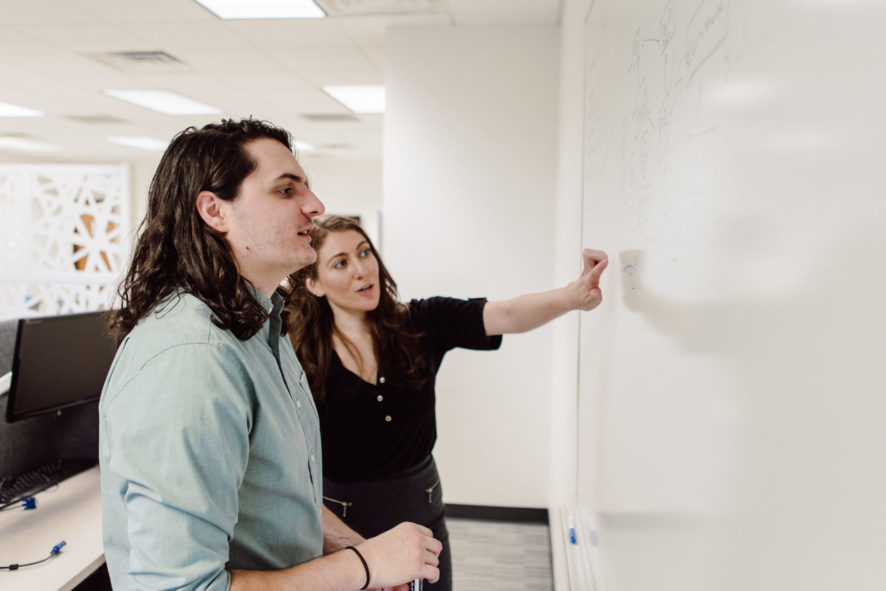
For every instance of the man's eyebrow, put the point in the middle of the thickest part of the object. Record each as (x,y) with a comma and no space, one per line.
(294,177)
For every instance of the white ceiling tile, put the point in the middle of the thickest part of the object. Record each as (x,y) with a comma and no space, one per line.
(376,55)
(173,37)
(67,73)
(230,61)
(503,7)
(153,11)
(313,101)
(266,83)
(83,38)
(281,34)
(43,12)
(344,77)
(309,59)
(14,42)
(524,17)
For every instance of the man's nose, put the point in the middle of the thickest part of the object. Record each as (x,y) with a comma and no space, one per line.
(312,207)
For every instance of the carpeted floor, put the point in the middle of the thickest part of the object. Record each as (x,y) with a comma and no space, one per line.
(498,556)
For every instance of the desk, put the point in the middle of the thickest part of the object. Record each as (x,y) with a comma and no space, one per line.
(70,512)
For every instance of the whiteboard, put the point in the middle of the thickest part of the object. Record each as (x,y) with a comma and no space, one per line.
(732,403)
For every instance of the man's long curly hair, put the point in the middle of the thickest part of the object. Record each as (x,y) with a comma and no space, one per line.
(312,324)
(176,250)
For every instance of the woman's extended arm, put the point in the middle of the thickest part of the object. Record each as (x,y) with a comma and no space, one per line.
(525,312)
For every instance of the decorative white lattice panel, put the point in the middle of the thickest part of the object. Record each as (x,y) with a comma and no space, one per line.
(62,237)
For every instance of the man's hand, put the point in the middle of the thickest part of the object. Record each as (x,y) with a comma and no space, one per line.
(403,553)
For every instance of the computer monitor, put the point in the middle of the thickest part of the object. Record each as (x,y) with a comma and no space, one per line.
(58,362)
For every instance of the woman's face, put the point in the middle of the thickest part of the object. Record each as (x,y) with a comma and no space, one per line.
(347,273)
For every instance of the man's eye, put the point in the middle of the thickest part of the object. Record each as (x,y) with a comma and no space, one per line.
(287,191)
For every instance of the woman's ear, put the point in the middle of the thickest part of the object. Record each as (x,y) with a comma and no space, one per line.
(314,288)
(212,209)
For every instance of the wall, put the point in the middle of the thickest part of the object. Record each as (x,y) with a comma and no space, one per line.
(348,187)
(469,204)
(732,423)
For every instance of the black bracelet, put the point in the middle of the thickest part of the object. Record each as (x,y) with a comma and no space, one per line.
(365,566)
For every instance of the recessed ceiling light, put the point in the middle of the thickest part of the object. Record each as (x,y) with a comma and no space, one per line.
(140,142)
(7,110)
(23,145)
(234,9)
(164,101)
(304,146)
(359,99)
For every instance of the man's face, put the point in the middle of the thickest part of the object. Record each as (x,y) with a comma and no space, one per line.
(269,222)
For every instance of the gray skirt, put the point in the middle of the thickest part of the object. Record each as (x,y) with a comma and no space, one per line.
(375,506)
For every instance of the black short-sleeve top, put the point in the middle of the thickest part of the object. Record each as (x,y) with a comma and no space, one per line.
(370,431)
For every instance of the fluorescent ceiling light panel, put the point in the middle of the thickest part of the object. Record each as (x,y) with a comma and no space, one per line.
(7,110)
(164,101)
(304,146)
(359,99)
(22,145)
(140,142)
(237,9)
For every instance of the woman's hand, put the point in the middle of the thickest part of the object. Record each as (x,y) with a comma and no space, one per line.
(587,287)
(527,312)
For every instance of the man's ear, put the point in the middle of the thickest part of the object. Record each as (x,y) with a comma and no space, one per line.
(213,211)
(314,288)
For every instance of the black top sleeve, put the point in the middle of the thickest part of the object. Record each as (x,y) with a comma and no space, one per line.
(448,323)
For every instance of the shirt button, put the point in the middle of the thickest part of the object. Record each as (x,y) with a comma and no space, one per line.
(312,457)
(381,380)
(298,403)
(388,418)
(380,398)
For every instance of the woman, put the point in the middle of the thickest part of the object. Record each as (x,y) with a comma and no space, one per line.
(372,361)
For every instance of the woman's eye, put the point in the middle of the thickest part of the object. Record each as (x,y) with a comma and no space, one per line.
(339,265)
(365,252)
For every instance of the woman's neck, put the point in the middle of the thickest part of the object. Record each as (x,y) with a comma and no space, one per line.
(351,326)
(353,343)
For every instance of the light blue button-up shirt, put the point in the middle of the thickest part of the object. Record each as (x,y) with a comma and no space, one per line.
(210,452)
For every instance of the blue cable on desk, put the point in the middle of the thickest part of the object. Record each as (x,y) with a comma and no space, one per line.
(55,550)
(26,504)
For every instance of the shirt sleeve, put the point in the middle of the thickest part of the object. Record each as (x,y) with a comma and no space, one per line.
(178,442)
(452,322)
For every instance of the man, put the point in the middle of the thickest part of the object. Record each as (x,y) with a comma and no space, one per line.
(209,438)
